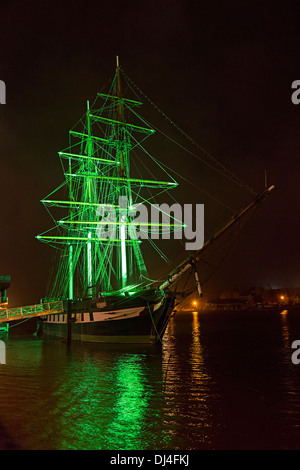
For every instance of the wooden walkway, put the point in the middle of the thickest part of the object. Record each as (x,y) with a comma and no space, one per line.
(31,311)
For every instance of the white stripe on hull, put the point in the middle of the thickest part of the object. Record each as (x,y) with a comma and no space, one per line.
(119,314)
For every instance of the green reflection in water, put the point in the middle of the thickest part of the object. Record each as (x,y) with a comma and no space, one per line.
(132,400)
(109,404)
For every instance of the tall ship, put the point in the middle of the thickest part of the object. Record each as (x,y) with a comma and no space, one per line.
(99,273)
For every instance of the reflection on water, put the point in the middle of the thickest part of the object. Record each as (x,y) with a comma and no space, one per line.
(85,398)
(219,381)
(290,408)
(132,400)
(285,334)
(285,330)
(186,383)
(107,403)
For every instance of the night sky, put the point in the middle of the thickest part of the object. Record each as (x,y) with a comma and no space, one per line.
(222,71)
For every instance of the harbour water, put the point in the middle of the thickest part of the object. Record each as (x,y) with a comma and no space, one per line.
(220,380)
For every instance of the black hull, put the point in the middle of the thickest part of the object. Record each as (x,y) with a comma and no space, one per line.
(139,320)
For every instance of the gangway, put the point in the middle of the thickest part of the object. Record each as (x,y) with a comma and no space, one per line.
(31,311)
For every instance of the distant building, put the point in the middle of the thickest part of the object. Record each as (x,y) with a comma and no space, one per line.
(257,298)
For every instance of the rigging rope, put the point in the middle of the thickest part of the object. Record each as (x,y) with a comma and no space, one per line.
(221,168)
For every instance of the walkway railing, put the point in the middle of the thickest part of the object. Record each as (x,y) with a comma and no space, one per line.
(37,310)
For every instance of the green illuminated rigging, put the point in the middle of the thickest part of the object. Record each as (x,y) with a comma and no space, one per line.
(98,175)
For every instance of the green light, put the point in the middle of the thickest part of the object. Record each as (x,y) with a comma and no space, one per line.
(71,293)
(92,239)
(123,253)
(89,263)
(144,224)
(112,404)
(132,126)
(130,290)
(131,403)
(85,256)
(77,203)
(125,100)
(120,178)
(80,134)
(76,156)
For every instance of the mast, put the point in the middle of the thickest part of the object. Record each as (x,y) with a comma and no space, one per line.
(122,191)
(71,280)
(89,200)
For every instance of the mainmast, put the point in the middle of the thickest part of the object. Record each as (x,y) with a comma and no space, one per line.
(89,200)
(122,189)
(71,269)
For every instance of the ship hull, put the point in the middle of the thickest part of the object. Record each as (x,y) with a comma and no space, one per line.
(138,320)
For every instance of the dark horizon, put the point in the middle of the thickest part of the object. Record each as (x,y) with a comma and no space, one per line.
(222,73)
